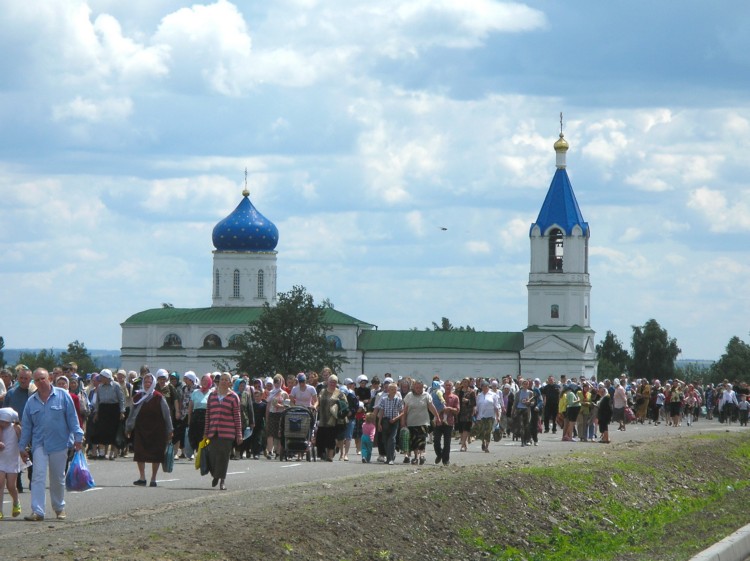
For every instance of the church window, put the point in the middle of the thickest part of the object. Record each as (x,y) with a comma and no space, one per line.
(261,280)
(212,341)
(555,311)
(217,278)
(235,341)
(236,284)
(334,341)
(172,341)
(585,312)
(555,251)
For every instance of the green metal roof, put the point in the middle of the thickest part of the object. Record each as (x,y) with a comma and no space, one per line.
(222,316)
(440,341)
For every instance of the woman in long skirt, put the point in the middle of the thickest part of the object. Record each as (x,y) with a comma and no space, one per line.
(151,426)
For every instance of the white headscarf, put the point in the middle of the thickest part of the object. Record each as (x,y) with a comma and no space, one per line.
(144,395)
(8,414)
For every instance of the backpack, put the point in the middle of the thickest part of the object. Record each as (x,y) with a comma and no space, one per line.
(437,399)
(343,407)
(353,405)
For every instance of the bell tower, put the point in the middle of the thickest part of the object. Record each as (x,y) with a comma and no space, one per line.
(559,290)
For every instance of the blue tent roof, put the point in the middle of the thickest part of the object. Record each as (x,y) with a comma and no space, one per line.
(561,207)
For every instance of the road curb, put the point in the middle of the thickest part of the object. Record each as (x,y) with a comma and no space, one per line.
(735,547)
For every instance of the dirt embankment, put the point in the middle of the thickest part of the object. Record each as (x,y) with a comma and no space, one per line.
(661,500)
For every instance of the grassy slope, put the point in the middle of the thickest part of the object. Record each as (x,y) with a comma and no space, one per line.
(660,500)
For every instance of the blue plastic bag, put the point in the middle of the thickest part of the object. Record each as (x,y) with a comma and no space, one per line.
(168,464)
(79,477)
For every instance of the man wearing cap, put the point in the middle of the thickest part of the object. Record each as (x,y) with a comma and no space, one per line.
(303,395)
(49,422)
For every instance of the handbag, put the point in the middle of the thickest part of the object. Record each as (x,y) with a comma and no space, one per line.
(497,433)
(200,453)
(167,465)
(79,477)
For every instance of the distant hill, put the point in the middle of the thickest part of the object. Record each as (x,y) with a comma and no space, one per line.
(701,363)
(105,358)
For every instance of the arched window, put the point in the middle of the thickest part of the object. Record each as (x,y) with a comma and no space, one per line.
(235,341)
(217,278)
(212,342)
(172,341)
(261,291)
(334,342)
(556,251)
(236,284)
(554,311)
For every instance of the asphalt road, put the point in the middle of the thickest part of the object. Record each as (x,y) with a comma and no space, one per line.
(115,493)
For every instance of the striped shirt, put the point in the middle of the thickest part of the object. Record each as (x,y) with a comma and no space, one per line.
(223,417)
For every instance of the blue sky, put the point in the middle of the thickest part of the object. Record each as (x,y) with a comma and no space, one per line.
(365,128)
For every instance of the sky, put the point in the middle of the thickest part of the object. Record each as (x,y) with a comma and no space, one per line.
(402,147)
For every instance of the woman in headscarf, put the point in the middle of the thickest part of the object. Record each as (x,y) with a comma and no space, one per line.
(109,409)
(197,410)
(223,428)
(64,383)
(276,400)
(10,462)
(247,416)
(190,381)
(150,424)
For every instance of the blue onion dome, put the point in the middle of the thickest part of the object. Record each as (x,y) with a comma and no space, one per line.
(245,229)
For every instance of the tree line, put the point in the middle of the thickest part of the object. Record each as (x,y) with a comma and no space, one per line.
(292,336)
(653,355)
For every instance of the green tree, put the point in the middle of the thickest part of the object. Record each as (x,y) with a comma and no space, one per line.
(46,359)
(288,338)
(612,357)
(733,364)
(78,353)
(654,352)
(446,325)
(2,355)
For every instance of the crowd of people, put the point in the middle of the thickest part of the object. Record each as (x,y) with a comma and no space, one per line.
(48,415)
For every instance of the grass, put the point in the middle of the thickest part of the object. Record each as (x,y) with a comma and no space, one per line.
(637,523)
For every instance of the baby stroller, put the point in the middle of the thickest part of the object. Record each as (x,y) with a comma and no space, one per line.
(297,425)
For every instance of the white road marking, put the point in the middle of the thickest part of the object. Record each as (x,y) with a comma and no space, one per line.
(290,466)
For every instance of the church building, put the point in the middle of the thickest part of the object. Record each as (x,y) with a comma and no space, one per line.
(558,339)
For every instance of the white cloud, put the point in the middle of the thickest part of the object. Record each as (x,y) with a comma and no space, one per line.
(211,41)
(631,234)
(717,211)
(172,197)
(478,247)
(626,264)
(94,111)
(515,236)
(415,223)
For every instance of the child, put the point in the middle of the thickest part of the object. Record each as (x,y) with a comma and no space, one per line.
(359,419)
(368,436)
(744,407)
(10,461)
